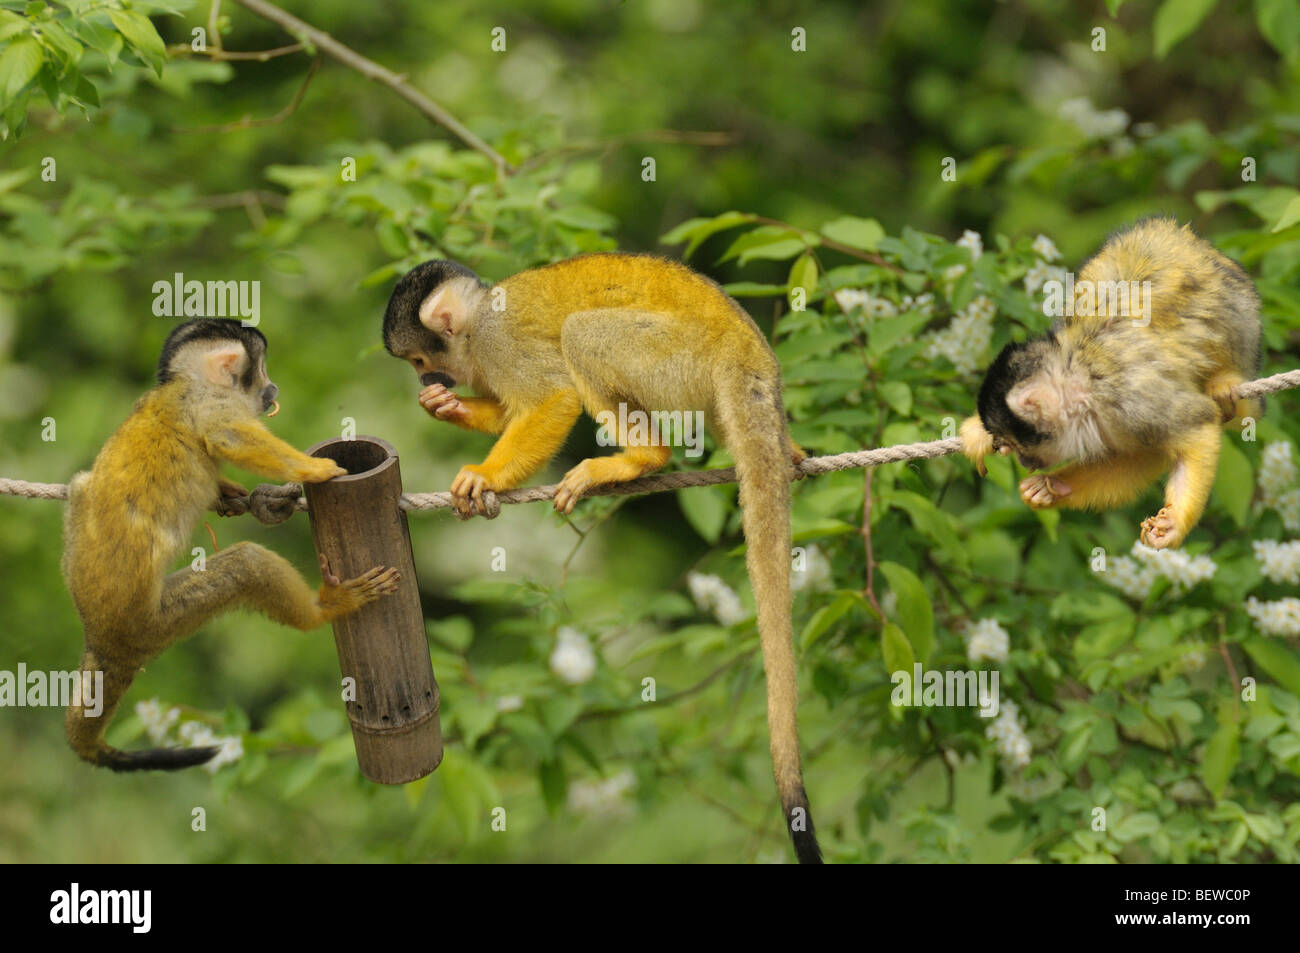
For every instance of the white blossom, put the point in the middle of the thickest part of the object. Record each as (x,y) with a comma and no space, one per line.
(972,242)
(1092,122)
(713,595)
(1277,471)
(1008,734)
(508,703)
(966,338)
(602,797)
(1135,576)
(196,734)
(922,303)
(1281,617)
(986,639)
(815,573)
(1045,249)
(157,723)
(872,306)
(1279,561)
(573,659)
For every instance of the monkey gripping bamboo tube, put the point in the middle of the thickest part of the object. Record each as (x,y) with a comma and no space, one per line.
(356,524)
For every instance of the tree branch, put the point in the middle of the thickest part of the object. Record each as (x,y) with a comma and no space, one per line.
(322,41)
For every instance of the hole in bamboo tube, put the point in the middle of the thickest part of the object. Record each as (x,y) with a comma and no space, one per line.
(356,456)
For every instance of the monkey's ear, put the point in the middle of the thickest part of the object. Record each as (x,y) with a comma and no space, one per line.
(444,312)
(1036,402)
(976,443)
(222,364)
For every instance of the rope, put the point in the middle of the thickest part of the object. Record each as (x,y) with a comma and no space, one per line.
(688,478)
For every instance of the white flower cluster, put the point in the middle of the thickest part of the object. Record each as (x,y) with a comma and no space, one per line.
(966,338)
(1277,482)
(815,574)
(1135,576)
(602,797)
(713,595)
(872,306)
(1008,733)
(1280,561)
(1093,122)
(573,659)
(987,639)
(159,724)
(1045,249)
(198,735)
(1042,273)
(972,242)
(921,304)
(1281,617)
(509,703)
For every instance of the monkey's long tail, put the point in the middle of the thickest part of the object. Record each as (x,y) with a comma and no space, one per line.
(755,428)
(86,726)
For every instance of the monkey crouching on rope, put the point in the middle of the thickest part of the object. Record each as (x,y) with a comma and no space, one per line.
(593,333)
(131,515)
(1123,397)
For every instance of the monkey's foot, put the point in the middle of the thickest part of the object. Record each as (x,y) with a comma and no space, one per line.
(1041,491)
(443,404)
(1161,531)
(341,597)
(1223,391)
(570,489)
(467,491)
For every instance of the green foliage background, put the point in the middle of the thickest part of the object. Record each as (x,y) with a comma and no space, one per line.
(833,157)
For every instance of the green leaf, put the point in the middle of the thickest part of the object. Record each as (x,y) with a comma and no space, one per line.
(1235,483)
(1142,824)
(706,509)
(11,24)
(1291,214)
(769,242)
(19,64)
(803,274)
(895,649)
(1279,22)
(897,395)
(1222,752)
(915,613)
(827,616)
(1276,659)
(864,233)
(1175,21)
(698,230)
(142,36)
(550,775)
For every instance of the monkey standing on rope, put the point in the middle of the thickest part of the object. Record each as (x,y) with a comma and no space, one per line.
(1125,397)
(592,333)
(132,513)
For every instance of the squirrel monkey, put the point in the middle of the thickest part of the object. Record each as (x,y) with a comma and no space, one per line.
(1126,393)
(594,332)
(132,513)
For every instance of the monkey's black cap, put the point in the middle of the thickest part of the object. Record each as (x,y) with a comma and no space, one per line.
(403,313)
(209,329)
(1015,362)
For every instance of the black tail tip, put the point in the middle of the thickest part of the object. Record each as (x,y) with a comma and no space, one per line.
(156,759)
(802,834)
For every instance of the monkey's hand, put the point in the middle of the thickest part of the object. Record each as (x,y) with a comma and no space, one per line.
(1041,491)
(1162,530)
(339,597)
(976,443)
(468,488)
(232,499)
(444,404)
(271,504)
(318,470)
